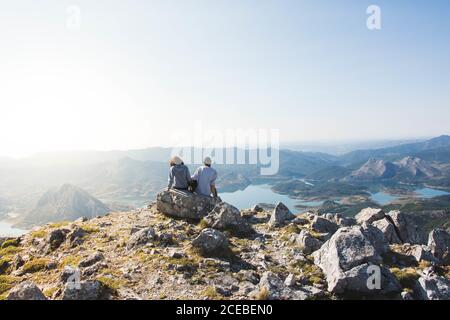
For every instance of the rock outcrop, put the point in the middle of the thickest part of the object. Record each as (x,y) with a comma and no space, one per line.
(226,217)
(211,242)
(148,254)
(347,256)
(439,244)
(280,215)
(184,204)
(408,231)
(26,291)
(433,286)
(369,215)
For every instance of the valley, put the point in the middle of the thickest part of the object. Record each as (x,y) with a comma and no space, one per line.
(411,173)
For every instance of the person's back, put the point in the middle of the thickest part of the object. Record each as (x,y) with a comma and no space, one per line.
(179,175)
(206,178)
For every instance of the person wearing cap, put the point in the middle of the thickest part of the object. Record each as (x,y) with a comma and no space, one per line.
(179,175)
(206,179)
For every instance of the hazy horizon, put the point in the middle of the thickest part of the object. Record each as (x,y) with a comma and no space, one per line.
(129,75)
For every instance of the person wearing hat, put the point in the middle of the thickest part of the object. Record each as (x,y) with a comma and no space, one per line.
(179,175)
(206,179)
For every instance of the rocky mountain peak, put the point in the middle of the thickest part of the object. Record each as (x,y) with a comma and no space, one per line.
(157,253)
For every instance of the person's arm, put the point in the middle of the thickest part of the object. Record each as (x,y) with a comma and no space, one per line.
(188,175)
(170,179)
(213,185)
(214,191)
(195,175)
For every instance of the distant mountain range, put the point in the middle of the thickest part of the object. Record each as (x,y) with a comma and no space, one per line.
(406,168)
(66,203)
(132,178)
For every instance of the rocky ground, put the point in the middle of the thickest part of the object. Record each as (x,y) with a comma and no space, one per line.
(187,247)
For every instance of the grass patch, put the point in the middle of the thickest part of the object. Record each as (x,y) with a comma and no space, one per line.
(263,294)
(10,243)
(50,292)
(112,283)
(312,272)
(39,234)
(35,265)
(6,283)
(90,228)
(211,293)
(72,261)
(407,277)
(8,251)
(203,224)
(59,224)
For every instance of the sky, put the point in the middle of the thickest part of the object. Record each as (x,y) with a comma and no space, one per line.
(131,73)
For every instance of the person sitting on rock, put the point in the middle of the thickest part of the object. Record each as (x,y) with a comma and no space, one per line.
(206,179)
(179,175)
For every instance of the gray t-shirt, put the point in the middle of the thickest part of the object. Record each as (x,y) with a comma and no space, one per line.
(206,177)
(179,177)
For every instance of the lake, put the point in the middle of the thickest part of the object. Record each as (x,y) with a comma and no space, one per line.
(6,230)
(254,194)
(384,198)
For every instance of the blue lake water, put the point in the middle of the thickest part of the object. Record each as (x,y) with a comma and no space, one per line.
(6,230)
(254,194)
(384,198)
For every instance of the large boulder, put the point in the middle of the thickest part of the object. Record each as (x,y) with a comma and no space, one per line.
(211,242)
(369,215)
(280,215)
(376,238)
(56,238)
(357,280)
(85,290)
(439,244)
(226,217)
(141,238)
(408,231)
(349,248)
(26,291)
(307,242)
(433,287)
(388,230)
(184,204)
(323,225)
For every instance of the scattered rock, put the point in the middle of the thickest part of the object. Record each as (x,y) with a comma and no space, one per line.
(226,217)
(348,248)
(141,238)
(290,280)
(369,215)
(280,215)
(211,242)
(92,259)
(439,244)
(85,290)
(421,253)
(56,238)
(323,225)
(408,232)
(257,208)
(184,204)
(307,242)
(388,230)
(26,291)
(76,236)
(376,238)
(68,272)
(433,286)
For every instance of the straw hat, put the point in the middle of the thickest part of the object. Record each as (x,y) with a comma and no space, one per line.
(176,160)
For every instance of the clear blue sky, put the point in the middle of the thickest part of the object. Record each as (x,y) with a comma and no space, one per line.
(138,69)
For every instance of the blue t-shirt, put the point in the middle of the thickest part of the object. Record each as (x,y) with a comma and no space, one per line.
(206,177)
